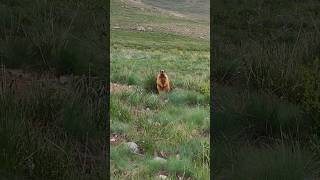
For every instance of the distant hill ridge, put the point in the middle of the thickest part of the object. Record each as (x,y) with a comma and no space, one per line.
(199,9)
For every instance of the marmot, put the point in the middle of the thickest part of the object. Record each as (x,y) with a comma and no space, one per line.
(163,83)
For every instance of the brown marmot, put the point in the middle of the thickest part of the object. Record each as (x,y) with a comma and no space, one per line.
(163,84)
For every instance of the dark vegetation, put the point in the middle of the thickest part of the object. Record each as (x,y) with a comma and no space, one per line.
(50,130)
(63,37)
(266,86)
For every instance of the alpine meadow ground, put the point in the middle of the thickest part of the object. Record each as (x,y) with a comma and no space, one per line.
(171,130)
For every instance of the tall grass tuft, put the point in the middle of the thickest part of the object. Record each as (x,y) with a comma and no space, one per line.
(41,36)
(43,133)
(150,84)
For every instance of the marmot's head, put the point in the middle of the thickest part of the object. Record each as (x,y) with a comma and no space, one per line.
(162,74)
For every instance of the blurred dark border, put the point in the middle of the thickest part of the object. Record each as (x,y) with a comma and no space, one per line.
(58,53)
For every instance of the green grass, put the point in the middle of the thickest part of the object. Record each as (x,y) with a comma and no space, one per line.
(124,13)
(155,40)
(126,16)
(173,61)
(198,8)
(176,123)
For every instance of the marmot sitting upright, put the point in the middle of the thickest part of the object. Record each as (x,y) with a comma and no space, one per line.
(163,84)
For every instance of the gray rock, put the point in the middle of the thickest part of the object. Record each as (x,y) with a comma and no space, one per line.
(162,176)
(178,156)
(141,28)
(159,159)
(133,146)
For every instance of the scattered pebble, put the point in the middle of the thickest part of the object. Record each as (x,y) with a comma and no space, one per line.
(159,159)
(178,156)
(133,146)
(141,28)
(162,176)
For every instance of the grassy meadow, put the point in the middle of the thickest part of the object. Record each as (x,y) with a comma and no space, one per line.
(266,89)
(173,126)
(53,105)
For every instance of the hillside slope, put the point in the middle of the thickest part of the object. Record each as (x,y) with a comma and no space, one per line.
(199,9)
(173,126)
(135,15)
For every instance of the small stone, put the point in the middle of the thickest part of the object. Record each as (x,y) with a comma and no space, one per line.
(159,159)
(133,146)
(162,176)
(178,156)
(148,109)
(113,140)
(141,28)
